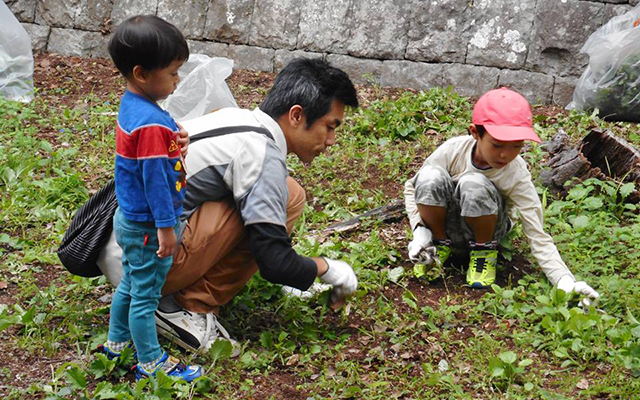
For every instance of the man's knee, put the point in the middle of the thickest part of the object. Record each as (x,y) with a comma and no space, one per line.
(297,196)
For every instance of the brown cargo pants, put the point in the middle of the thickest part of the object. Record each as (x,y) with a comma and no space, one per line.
(214,262)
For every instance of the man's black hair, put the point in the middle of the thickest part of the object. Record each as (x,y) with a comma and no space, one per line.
(312,84)
(148,41)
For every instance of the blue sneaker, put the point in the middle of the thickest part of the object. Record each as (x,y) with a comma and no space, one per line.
(106,350)
(172,367)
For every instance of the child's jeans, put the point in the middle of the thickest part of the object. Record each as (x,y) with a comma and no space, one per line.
(136,298)
(472,196)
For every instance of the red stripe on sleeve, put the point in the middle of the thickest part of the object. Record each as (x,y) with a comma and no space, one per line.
(147,142)
(126,144)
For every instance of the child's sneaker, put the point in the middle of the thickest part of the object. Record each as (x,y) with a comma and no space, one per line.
(434,269)
(172,367)
(111,354)
(482,265)
(443,250)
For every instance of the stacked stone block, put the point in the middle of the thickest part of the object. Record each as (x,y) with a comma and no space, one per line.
(530,45)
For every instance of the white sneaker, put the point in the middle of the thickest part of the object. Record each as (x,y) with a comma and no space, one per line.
(193,331)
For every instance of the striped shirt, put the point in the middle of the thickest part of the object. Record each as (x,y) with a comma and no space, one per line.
(150,177)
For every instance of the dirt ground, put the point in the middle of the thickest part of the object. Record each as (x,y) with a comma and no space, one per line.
(66,81)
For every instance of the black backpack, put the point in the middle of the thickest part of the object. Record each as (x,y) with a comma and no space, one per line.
(92,224)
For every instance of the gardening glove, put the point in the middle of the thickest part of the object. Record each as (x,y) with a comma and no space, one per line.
(421,248)
(341,276)
(568,284)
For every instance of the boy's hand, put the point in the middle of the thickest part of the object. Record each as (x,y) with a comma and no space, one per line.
(421,248)
(167,241)
(568,284)
(183,140)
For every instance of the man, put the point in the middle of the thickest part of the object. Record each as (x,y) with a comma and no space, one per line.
(241,206)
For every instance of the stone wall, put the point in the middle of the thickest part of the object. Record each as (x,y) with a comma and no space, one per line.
(530,45)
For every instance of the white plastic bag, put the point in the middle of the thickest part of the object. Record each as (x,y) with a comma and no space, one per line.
(16,58)
(611,82)
(202,88)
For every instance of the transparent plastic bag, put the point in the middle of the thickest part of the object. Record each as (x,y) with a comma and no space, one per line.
(202,88)
(16,58)
(611,82)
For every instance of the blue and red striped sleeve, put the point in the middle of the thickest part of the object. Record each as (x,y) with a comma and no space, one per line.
(151,147)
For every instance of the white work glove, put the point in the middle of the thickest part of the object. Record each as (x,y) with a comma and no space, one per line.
(341,276)
(568,284)
(421,248)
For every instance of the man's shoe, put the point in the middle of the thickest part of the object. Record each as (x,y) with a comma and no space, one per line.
(172,367)
(482,265)
(193,331)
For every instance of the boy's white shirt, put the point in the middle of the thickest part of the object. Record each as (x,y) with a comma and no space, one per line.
(514,184)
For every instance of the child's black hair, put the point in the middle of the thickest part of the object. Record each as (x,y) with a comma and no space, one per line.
(148,41)
(480,129)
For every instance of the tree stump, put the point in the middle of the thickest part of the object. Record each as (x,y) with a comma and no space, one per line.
(600,155)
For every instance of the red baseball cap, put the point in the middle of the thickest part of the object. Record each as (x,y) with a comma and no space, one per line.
(506,115)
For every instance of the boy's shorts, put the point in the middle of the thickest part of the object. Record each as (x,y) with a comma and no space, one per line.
(473,195)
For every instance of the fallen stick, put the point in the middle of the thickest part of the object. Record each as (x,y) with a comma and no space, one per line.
(394,210)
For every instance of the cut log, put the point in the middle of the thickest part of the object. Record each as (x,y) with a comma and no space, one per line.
(614,156)
(600,155)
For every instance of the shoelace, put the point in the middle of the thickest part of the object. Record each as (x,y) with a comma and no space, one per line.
(480,264)
(209,323)
(169,365)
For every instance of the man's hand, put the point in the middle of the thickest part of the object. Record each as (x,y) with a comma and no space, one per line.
(183,140)
(568,284)
(167,242)
(341,276)
(421,248)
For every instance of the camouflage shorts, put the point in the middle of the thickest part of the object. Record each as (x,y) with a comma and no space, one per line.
(472,196)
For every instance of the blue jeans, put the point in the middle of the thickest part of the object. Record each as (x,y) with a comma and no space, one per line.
(136,298)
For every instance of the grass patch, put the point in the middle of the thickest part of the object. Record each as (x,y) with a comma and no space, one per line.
(399,337)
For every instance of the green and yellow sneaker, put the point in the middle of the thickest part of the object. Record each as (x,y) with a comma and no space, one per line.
(436,269)
(443,250)
(482,265)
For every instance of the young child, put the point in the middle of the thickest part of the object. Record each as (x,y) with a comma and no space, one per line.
(467,192)
(149,187)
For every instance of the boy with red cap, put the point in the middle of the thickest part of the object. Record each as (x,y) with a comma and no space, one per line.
(468,191)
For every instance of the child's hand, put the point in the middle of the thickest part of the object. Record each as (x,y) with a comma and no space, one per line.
(421,248)
(167,241)
(183,140)
(568,284)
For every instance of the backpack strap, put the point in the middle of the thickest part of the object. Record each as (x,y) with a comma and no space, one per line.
(226,130)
